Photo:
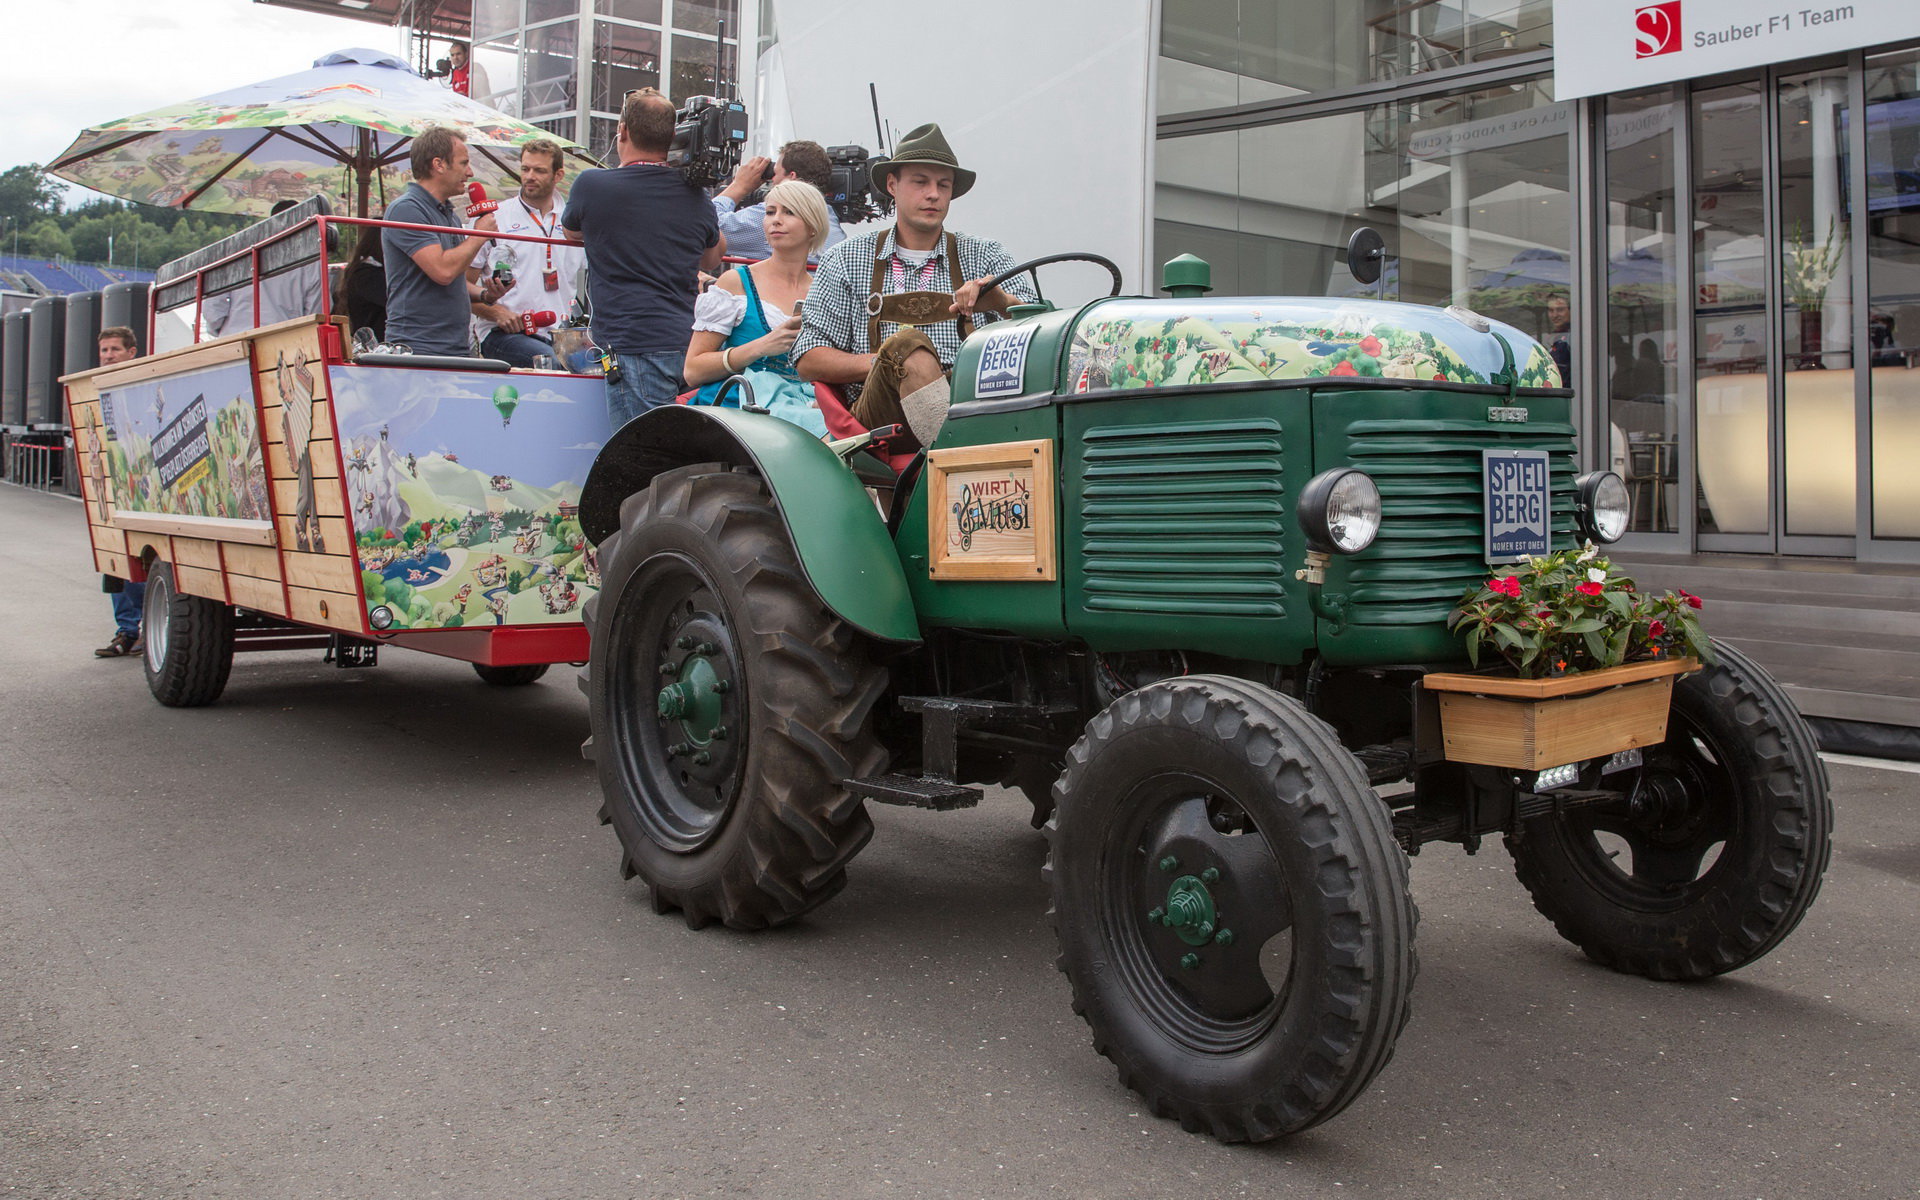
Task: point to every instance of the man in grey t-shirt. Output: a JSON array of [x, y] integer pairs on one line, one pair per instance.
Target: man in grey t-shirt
[[429, 300]]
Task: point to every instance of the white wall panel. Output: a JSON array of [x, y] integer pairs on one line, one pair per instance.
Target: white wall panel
[[1051, 102]]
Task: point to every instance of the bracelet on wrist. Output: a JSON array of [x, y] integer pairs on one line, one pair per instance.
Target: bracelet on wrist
[[726, 358]]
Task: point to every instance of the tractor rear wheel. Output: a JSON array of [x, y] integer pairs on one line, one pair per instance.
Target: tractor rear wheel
[[1232, 909], [189, 643], [727, 704]]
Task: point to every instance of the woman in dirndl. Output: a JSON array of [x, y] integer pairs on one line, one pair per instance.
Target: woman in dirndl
[[746, 323]]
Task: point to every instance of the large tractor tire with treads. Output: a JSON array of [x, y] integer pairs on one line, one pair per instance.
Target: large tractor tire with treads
[[728, 705], [1232, 909], [1719, 850]]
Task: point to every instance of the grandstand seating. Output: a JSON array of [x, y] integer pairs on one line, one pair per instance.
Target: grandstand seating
[[44, 277]]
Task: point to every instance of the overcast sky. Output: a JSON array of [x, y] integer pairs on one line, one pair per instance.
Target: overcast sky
[[80, 62]]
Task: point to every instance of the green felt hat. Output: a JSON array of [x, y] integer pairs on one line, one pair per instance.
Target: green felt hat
[[924, 146]]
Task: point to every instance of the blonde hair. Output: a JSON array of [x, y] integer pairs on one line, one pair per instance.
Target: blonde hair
[[804, 201]]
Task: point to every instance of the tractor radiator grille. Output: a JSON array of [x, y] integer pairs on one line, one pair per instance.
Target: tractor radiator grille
[[1184, 519], [1431, 548]]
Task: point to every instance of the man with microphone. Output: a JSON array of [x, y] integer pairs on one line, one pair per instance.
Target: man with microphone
[[429, 298], [516, 327]]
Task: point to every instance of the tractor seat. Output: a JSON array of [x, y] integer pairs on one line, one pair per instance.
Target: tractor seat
[[841, 424]]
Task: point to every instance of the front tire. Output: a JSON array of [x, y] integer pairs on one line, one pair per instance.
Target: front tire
[[1721, 851], [1232, 909], [189, 643], [727, 705]]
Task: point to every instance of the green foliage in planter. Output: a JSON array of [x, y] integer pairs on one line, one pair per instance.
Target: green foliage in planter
[[1571, 612]]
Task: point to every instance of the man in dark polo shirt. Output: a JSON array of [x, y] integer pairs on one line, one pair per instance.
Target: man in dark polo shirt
[[648, 233], [429, 301]]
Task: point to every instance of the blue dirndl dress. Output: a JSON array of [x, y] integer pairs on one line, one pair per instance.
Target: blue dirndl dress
[[777, 386]]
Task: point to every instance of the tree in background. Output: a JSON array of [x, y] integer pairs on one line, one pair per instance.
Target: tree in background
[[45, 239], [26, 195], [140, 235]]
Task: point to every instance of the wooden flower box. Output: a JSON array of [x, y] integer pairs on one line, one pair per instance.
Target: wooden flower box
[[1531, 724]]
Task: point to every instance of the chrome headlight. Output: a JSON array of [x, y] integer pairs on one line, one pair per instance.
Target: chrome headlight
[[1339, 511], [1602, 506]]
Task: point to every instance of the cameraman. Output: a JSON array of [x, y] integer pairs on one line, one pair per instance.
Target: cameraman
[[648, 233], [745, 227]]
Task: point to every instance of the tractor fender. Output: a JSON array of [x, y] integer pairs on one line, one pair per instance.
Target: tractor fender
[[839, 535]]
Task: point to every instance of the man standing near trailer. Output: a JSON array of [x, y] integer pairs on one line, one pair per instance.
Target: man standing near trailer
[[117, 345], [649, 233], [429, 298]]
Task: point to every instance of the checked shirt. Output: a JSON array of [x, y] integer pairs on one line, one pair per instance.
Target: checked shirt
[[836, 310]]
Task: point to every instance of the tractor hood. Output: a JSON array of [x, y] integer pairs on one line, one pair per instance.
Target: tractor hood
[[1188, 342]]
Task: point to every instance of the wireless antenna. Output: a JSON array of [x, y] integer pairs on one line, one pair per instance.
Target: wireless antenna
[[880, 133]]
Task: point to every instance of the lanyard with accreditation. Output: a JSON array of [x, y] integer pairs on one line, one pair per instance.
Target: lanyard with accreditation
[[550, 278]]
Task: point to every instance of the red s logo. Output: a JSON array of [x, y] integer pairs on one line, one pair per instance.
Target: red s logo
[[1656, 29]]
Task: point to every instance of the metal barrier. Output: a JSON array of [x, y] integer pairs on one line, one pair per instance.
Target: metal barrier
[[38, 466]]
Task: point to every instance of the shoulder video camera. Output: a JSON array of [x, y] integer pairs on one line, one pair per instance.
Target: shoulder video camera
[[851, 193], [708, 134]]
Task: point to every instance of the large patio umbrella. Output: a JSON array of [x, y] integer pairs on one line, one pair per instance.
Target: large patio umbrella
[[345, 128]]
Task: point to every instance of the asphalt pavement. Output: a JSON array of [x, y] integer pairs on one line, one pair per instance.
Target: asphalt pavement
[[359, 934]]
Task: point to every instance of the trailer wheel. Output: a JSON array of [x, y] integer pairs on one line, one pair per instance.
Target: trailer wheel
[[1233, 912], [517, 676], [189, 643], [1715, 858], [727, 705]]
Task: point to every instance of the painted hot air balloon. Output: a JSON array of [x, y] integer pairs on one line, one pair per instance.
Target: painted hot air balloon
[[506, 398]]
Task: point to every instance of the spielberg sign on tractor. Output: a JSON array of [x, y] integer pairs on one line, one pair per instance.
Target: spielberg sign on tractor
[[1519, 509]]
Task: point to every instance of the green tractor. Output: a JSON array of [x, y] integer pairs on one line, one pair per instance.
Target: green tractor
[[1175, 568]]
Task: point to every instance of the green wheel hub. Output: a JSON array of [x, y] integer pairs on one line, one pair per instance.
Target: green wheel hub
[[693, 699], [1190, 910]]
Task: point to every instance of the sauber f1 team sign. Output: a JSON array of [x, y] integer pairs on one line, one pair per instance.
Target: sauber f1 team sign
[[1619, 45]]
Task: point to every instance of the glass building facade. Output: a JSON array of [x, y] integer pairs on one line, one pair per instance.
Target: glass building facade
[[566, 65], [1754, 376]]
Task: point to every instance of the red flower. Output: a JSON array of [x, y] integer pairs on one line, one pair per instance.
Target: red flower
[[1440, 377], [1506, 585], [1588, 589], [1656, 629], [1371, 345], [1692, 600], [1545, 612], [1343, 368]]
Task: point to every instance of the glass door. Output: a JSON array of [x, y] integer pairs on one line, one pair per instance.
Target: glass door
[[1733, 413], [1773, 314], [1641, 335], [1816, 319], [1892, 262]]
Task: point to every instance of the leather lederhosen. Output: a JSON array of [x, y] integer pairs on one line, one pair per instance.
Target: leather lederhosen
[[914, 308]]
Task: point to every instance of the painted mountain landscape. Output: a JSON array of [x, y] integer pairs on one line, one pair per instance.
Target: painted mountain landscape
[[465, 493]]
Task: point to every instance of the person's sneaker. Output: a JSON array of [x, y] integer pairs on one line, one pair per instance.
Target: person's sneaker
[[139, 645], [122, 645]]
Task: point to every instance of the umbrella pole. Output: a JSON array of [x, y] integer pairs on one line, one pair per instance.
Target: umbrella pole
[[363, 169]]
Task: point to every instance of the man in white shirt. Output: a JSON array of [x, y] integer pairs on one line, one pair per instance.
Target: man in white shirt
[[543, 275]]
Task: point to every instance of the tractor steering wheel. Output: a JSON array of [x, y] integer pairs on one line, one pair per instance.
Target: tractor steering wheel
[[1072, 256]]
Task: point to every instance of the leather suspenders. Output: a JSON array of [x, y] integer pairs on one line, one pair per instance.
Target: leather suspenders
[[914, 308]]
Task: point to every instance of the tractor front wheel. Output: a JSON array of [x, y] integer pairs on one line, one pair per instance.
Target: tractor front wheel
[[1716, 853], [1232, 909]]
